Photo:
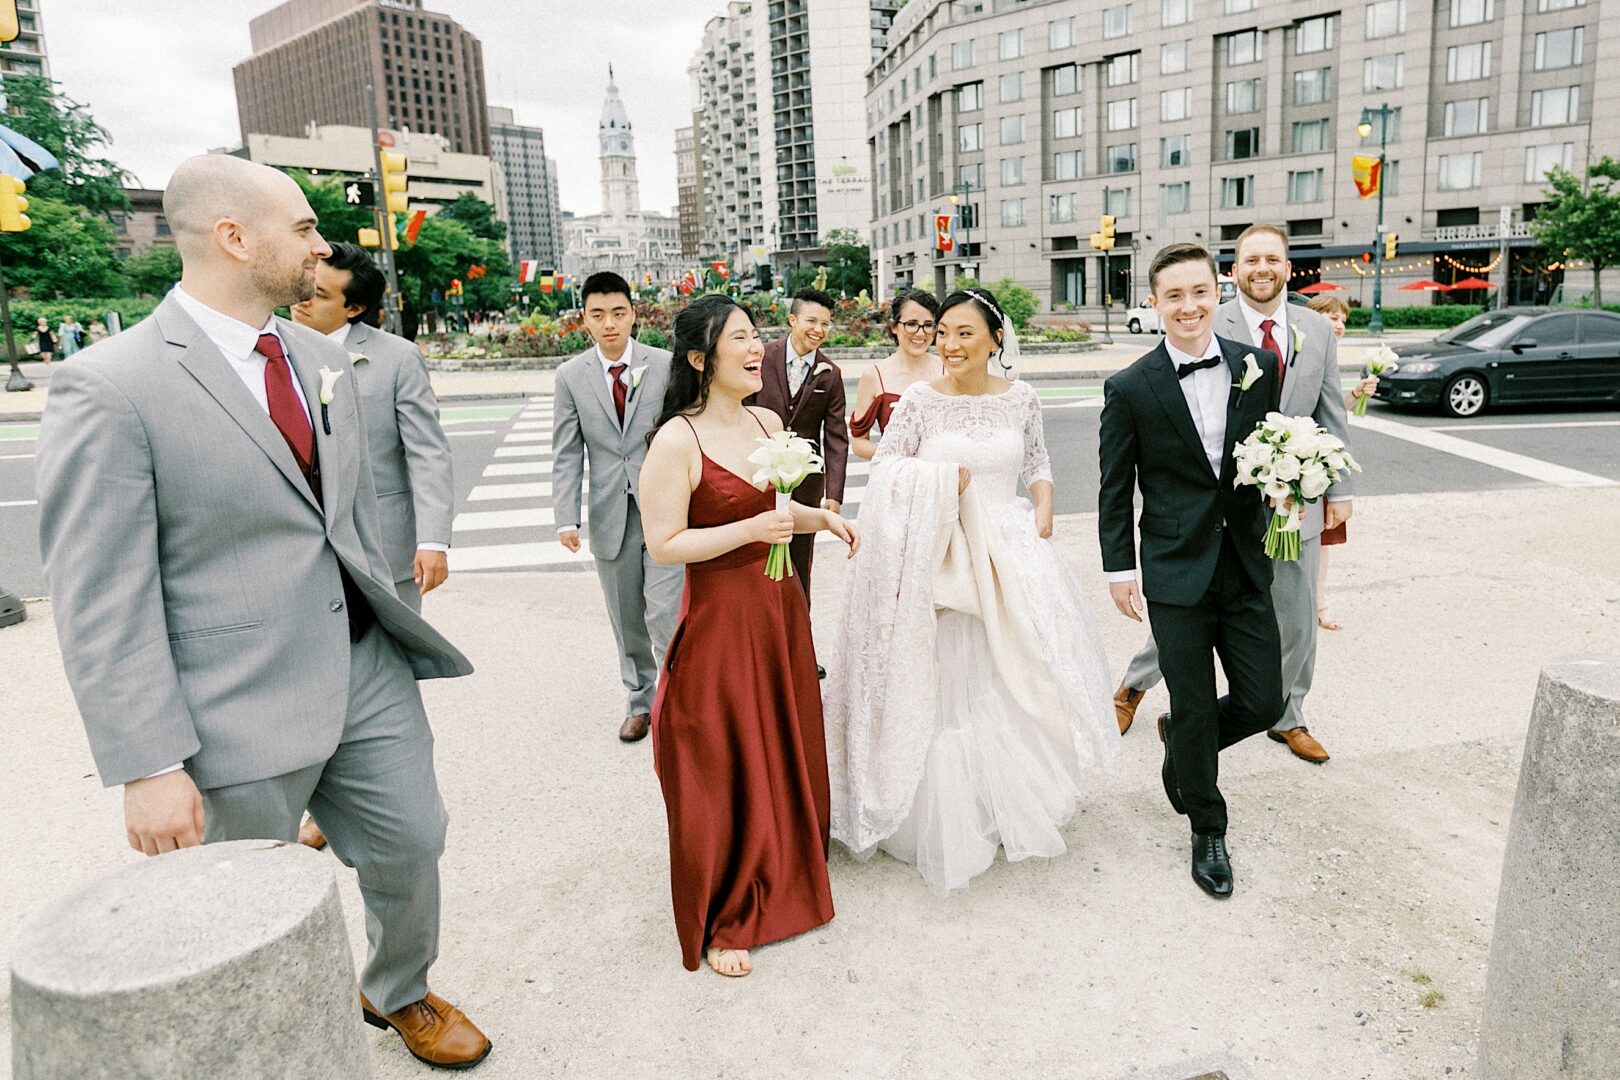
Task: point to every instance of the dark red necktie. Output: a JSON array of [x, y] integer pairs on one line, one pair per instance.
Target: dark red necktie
[[286, 412], [1269, 341], [620, 391]]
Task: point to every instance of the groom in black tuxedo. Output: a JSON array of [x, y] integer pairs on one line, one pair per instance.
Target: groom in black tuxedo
[[1169, 424]]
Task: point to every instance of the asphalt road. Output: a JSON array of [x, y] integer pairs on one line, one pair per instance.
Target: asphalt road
[[502, 449]]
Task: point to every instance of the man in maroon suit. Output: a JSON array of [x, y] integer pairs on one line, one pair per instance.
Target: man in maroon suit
[[806, 390]]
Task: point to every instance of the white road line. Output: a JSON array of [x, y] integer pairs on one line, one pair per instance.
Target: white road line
[[15, 457], [491, 492], [522, 451], [1506, 460], [518, 468], [534, 556], [480, 520], [1525, 426], [530, 425], [1073, 403], [21, 502], [530, 436], [538, 397], [468, 420], [486, 431]]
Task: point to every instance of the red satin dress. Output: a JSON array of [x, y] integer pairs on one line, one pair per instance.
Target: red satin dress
[[877, 413], [739, 747]]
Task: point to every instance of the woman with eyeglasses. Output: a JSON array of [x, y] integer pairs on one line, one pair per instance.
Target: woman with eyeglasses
[[912, 319]]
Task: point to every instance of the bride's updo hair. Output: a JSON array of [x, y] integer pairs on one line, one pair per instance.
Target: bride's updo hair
[[697, 330], [985, 301], [910, 296]]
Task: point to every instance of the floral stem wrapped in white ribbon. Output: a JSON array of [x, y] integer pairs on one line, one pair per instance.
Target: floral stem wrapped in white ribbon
[[1290, 458], [1380, 362], [784, 461]]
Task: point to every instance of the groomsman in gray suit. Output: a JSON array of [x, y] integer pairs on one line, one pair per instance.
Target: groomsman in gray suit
[[410, 456], [1303, 347], [227, 615], [607, 401]]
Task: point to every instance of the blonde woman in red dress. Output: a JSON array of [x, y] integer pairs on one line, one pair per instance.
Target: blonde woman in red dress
[[913, 317], [737, 732]]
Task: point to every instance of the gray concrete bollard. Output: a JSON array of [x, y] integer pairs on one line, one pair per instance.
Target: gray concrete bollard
[[220, 962], [1552, 992]]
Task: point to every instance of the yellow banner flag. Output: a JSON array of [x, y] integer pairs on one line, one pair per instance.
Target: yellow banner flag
[[1367, 173]]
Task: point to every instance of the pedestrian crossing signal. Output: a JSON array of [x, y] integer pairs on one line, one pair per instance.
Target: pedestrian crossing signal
[[370, 238], [12, 205]]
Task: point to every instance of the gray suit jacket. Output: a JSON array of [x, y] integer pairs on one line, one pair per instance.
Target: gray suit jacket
[[410, 456], [586, 428], [193, 575], [1311, 389]]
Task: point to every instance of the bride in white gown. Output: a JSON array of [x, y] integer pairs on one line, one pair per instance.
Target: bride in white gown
[[968, 693]]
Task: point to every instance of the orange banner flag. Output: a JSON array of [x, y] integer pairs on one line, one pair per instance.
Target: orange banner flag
[[1367, 173]]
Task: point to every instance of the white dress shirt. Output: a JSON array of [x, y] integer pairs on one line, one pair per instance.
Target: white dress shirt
[[1285, 341], [796, 364], [607, 376]]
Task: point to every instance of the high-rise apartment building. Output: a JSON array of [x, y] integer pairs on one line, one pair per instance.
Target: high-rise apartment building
[[1188, 120], [723, 73], [312, 60], [689, 189], [533, 229], [26, 55]]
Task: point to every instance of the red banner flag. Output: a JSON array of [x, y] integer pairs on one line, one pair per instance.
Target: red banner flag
[[415, 226], [1367, 172], [944, 234]]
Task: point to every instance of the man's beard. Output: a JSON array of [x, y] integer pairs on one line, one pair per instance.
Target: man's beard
[[1251, 291], [280, 290]]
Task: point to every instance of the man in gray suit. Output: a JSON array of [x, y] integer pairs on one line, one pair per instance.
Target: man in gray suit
[[410, 456], [607, 401], [1303, 345], [227, 615]]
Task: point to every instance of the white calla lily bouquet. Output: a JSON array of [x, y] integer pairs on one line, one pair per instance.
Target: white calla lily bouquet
[[1380, 362], [1290, 457], [784, 461]]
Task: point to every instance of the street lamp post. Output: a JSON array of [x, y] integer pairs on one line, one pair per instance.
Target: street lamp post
[[959, 197], [1375, 324]]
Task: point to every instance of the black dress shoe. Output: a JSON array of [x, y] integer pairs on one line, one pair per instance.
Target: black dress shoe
[[1212, 866], [821, 672], [1168, 774]]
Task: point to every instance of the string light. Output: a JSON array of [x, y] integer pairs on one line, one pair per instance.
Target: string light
[[1457, 264]]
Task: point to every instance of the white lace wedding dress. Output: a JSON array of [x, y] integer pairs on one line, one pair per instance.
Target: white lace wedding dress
[[968, 692]]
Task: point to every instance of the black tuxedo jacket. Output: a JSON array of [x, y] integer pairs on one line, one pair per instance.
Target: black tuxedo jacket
[[1149, 441], [815, 413]]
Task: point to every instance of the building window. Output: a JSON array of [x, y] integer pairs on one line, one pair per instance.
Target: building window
[[1060, 34], [933, 66], [1470, 12], [1242, 143], [970, 97], [1383, 72], [1173, 58], [1065, 80], [1458, 172], [1122, 69], [1243, 96], [1310, 136], [1175, 104], [1392, 179], [1012, 130], [1175, 151], [1464, 63], [970, 176], [1237, 191], [1549, 107], [1062, 208], [1386, 18], [1313, 35], [1121, 158], [1238, 7], [1558, 5], [1065, 123], [1558, 49], [1066, 165], [1010, 44], [1176, 198], [1305, 185], [1122, 115], [1117, 202], [970, 137], [1469, 117], [1539, 160], [1116, 21], [962, 55], [1244, 47], [1012, 211], [1313, 87], [1012, 171], [1175, 12], [1012, 87]]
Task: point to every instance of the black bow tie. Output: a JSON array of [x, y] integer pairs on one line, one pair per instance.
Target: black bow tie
[[1184, 370]]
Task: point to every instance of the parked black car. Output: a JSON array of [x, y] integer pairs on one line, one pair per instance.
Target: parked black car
[[1513, 356]]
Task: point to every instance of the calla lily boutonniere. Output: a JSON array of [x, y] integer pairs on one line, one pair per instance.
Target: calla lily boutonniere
[[1251, 373], [329, 381], [1299, 340], [823, 366], [636, 376], [359, 358]]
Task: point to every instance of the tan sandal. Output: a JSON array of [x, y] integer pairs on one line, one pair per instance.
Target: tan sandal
[[1325, 622], [715, 956]]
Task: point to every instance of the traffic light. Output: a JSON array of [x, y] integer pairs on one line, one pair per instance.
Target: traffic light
[[1390, 240], [394, 182], [369, 238], [9, 26], [12, 204], [1103, 238]]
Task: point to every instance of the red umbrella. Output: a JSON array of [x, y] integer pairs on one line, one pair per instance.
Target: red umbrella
[[1472, 283], [1424, 285], [1322, 287]]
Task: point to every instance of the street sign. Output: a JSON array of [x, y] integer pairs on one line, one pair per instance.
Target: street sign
[[359, 193]]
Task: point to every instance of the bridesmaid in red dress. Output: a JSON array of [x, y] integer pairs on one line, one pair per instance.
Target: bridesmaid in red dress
[[738, 743], [912, 318]]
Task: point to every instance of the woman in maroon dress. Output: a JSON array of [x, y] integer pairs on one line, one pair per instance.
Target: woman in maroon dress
[[912, 317], [737, 733]]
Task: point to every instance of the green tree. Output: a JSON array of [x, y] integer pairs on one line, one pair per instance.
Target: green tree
[[66, 129], [338, 220], [1582, 221], [67, 252], [1016, 302], [153, 271], [848, 262], [444, 250], [477, 215]]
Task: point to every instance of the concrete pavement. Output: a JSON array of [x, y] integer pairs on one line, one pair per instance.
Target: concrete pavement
[[1363, 885]]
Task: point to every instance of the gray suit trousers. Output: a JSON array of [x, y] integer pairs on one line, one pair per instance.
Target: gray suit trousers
[[644, 603], [1293, 594], [377, 800]]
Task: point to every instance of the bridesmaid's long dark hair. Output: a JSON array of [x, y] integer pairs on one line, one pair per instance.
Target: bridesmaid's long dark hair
[[697, 330]]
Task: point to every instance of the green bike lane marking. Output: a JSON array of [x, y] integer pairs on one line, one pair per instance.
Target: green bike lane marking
[[19, 431]]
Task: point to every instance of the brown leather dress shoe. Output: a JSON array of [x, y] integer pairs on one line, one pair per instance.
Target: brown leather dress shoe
[[1301, 742], [435, 1032], [635, 727], [1125, 702], [310, 835]]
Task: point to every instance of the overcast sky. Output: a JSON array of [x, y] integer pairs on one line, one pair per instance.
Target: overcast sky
[[157, 75]]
